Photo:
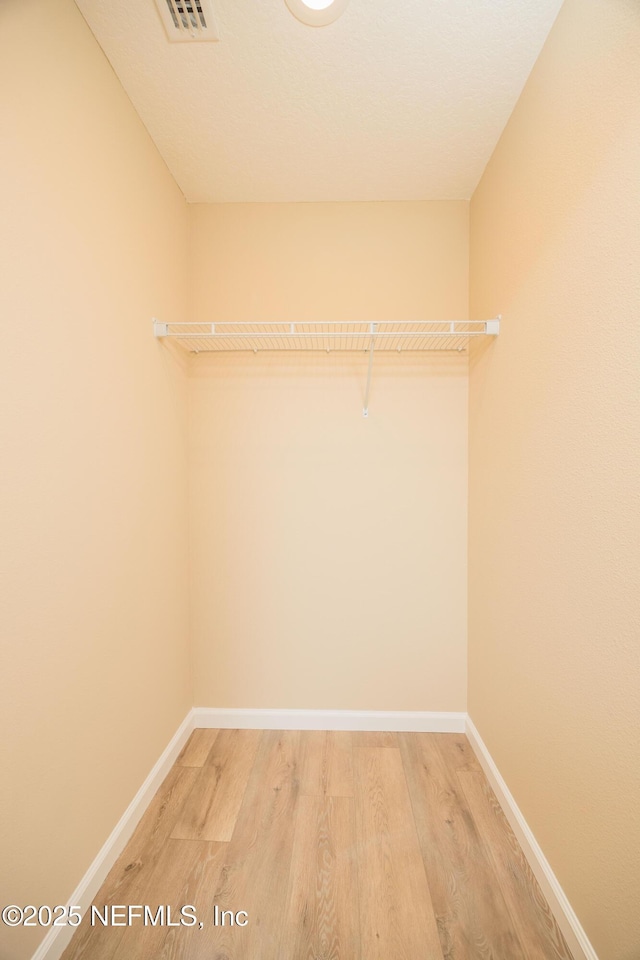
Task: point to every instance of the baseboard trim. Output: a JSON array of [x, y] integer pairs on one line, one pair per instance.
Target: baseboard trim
[[392, 720], [572, 929], [57, 939]]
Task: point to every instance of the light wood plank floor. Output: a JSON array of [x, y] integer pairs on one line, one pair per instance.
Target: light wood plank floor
[[339, 846]]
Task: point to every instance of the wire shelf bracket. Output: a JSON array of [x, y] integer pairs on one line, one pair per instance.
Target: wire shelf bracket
[[365, 410], [387, 335]]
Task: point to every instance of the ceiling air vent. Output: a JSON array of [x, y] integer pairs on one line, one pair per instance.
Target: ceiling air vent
[[188, 20]]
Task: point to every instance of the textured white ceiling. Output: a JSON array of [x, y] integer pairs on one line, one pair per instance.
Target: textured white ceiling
[[396, 100]]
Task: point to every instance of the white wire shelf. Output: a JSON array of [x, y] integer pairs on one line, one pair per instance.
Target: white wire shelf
[[388, 335]]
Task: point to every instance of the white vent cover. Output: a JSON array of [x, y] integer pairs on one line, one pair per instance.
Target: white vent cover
[[188, 20]]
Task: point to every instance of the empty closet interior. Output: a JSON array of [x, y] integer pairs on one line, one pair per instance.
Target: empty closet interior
[[333, 432]]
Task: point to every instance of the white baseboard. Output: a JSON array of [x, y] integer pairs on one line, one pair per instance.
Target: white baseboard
[[58, 938], [392, 720], [572, 929]]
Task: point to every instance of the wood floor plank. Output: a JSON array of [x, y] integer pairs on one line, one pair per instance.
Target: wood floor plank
[[255, 876], [396, 915], [472, 917], [186, 873], [375, 738], [456, 750], [322, 919], [197, 748], [212, 809], [530, 914], [327, 766], [313, 764], [340, 764], [127, 879]]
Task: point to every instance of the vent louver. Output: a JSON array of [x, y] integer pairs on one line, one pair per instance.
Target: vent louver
[[188, 21]]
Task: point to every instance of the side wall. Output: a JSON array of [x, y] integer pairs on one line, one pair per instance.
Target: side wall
[[329, 551], [93, 566], [554, 668]]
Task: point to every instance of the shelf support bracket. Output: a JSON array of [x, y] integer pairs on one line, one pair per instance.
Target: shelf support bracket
[[365, 412]]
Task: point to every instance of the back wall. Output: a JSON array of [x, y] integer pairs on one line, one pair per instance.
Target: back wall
[[328, 552]]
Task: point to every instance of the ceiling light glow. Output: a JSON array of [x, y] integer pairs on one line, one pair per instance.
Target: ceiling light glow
[[317, 13], [317, 4]]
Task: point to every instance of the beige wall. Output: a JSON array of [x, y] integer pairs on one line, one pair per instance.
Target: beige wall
[[329, 551], [554, 684], [94, 675]]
